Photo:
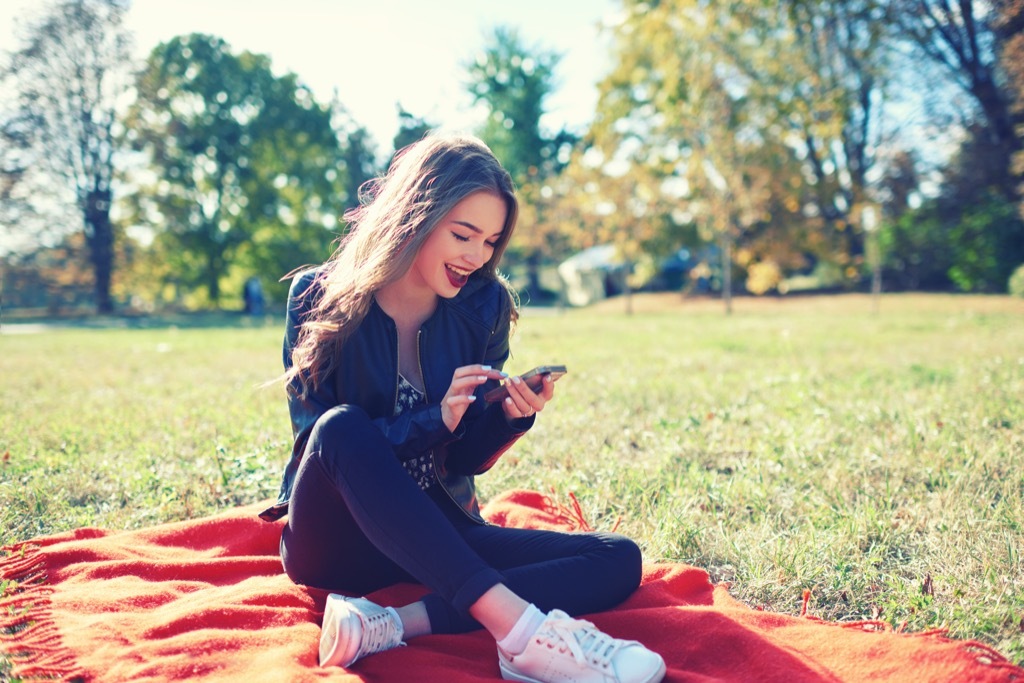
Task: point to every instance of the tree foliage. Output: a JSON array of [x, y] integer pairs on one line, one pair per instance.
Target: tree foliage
[[358, 152], [17, 210], [967, 40], [512, 81], [751, 131], [767, 113], [969, 237], [241, 166], [1008, 25], [67, 76], [411, 129]]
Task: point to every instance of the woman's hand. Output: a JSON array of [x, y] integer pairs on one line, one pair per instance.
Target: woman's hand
[[523, 401], [460, 395]]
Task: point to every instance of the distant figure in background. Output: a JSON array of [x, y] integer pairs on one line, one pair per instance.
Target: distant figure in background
[[252, 293]]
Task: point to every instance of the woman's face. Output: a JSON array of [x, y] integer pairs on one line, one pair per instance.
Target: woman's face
[[462, 242]]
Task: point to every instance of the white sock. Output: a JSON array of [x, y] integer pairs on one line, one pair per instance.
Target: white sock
[[517, 639]]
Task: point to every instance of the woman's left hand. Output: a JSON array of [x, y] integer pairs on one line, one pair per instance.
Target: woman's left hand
[[523, 401]]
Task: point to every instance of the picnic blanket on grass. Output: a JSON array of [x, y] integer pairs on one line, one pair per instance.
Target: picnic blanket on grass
[[207, 599]]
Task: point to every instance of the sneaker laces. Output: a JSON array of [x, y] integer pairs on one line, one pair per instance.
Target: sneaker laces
[[588, 644], [379, 633]]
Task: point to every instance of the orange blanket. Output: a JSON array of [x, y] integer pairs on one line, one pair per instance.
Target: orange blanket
[[207, 599]]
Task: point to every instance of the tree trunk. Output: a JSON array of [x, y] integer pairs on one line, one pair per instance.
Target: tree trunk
[[216, 263], [100, 239], [213, 280], [727, 270], [997, 110], [533, 274]]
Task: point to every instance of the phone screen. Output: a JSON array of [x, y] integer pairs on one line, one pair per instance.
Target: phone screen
[[534, 379]]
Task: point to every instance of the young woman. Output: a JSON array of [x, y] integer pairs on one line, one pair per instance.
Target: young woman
[[389, 348]]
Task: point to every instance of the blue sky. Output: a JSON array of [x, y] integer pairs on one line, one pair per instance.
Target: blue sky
[[381, 52]]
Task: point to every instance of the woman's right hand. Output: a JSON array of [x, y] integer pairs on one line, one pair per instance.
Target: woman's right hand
[[460, 394]]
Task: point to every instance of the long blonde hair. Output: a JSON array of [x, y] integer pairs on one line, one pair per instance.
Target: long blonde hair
[[396, 215]]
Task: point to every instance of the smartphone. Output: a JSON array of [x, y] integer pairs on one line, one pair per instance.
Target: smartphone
[[534, 378]]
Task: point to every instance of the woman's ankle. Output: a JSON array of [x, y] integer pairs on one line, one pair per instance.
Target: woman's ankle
[[498, 610], [415, 620]]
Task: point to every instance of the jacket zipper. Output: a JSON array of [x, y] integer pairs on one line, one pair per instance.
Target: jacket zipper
[[398, 371], [419, 364], [433, 451]]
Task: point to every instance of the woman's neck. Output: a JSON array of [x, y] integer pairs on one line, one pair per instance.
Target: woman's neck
[[407, 306]]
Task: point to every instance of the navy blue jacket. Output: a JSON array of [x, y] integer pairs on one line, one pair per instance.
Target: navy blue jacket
[[473, 327]]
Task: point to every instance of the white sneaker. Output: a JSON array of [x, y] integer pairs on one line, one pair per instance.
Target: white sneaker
[[566, 649], [354, 628]]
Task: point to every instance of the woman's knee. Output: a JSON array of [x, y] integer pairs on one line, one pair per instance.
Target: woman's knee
[[625, 561], [341, 432], [339, 422]]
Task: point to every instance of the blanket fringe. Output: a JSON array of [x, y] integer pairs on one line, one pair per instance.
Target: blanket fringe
[[17, 572], [572, 516], [584, 524], [983, 654], [989, 656], [25, 599], [806, 601], [29, 637]]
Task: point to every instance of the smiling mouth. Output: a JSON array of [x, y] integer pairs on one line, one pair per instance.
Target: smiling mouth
[[457, 276]]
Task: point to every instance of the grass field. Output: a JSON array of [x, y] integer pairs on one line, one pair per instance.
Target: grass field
[[803, 443]]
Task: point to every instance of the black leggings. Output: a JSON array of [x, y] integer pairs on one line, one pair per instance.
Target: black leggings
[[357, 522]]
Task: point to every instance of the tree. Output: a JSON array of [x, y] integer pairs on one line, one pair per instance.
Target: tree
[[597, 202], [410, 129], [966, 39], [244, 164], [768, 113], [1009, 27], [358, 156], [842, 53], [970, 236], [67, 76], [967, 237], [18, 212], [513, 81]]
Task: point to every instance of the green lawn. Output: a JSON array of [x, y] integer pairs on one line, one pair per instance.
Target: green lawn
[[804, 443]]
